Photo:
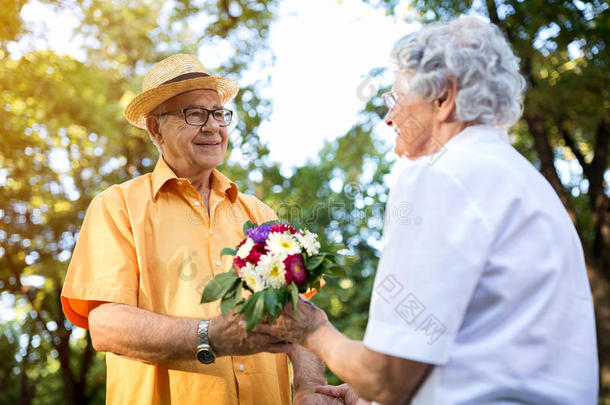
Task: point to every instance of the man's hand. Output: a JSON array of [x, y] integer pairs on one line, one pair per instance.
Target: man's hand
[[295, 328], [228, 336], [312, 398], [344, 393]]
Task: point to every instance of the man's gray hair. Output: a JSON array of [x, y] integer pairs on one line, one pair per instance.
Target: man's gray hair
[[160, 109], [479, 58]]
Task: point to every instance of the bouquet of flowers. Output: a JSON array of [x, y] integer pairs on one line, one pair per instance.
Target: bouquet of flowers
[[275, 262]]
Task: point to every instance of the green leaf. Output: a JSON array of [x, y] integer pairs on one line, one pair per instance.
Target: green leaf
[[271, 302], [255, 311], [219, 286], [333, 248], [335, 271], [238, 292], [294, 296], [228, 302], [244, 306], [248, 225], [274, 222], [314, 262], [232, 298], [228, 251]]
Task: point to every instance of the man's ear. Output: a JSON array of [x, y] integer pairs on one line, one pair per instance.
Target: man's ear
[[154, 129], [446, 104]]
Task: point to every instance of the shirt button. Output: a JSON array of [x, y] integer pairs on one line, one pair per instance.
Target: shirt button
[[217, 262], [211, 231], [196, 203], [241, 367]]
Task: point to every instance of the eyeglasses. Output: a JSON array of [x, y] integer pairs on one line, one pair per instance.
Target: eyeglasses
[[390, 98], [198, 116]]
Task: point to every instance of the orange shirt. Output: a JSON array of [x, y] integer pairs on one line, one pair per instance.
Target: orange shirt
[[150, 243]]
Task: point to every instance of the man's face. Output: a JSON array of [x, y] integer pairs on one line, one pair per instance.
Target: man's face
[[412, 118], [190, 149]]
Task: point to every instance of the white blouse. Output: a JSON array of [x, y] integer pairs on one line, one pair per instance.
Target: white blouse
[[482, 274]]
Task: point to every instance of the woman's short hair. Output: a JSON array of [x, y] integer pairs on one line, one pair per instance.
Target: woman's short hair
[[477, 56]]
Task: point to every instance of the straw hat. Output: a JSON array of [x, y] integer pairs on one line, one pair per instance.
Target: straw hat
[[170, 77]]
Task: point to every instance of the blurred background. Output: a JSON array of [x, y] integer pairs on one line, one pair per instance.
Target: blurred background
[[309, 139]]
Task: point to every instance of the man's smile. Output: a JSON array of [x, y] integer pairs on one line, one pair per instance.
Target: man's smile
[[208, 143]]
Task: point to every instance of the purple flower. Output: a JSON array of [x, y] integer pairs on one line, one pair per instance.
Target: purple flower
[[260, 233]]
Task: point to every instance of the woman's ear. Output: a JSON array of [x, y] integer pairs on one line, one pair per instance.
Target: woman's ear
[[446, 104], [154, 129]]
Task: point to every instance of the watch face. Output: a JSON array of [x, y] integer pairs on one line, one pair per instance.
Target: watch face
[[205, 356]]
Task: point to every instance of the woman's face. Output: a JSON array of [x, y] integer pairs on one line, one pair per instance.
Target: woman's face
[[413, 119]]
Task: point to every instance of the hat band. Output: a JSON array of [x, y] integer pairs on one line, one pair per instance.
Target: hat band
[[186, 76]]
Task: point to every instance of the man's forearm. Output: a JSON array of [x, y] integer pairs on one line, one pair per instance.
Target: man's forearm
[[142, 335], [308, 370]]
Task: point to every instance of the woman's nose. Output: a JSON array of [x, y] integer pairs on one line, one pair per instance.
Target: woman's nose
[[388, 119]]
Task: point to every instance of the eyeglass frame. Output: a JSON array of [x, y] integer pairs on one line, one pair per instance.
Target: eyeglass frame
[[391, 95], [209, 112]]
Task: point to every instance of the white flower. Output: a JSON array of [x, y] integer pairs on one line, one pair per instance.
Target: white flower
[[252, 278], [309, 242], [282, 244], [272, 270], [244, 250]]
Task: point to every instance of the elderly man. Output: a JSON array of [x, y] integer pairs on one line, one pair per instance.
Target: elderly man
[[148, 247], [486, 300]]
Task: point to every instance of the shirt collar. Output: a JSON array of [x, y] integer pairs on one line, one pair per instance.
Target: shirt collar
[[163, 174], [479, 133]]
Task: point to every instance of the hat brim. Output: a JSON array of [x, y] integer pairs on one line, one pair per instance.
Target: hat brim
[[141, 106]]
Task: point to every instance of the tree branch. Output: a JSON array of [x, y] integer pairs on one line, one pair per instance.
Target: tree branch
[[492, 11], [547, 161], [571, 143]]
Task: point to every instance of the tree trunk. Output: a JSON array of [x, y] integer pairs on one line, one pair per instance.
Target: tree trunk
[[25, 394], [547, 161], [600, 203], [73, 388]]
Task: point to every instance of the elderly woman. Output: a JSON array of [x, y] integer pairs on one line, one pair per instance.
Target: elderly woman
[[486, 300]]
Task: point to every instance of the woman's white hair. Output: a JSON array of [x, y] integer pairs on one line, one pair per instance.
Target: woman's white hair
[[479, 58]]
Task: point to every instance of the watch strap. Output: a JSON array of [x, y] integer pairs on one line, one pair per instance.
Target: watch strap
[[202, 333]]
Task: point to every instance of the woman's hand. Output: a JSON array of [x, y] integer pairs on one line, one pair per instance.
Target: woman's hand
[[293, 327]]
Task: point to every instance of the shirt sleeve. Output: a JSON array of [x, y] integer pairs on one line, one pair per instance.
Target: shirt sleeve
[[104, 265], [436, 242]]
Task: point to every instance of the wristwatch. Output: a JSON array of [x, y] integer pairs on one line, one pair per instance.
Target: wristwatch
[[205, 354]]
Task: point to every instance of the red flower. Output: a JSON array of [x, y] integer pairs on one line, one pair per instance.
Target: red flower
[[295, 269], [238, 263], [281, 228], [256, 252]]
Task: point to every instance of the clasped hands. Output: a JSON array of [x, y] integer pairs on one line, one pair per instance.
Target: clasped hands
[[228, 336]]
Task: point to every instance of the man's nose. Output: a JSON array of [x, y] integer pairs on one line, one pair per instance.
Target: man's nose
[[211, 124]]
